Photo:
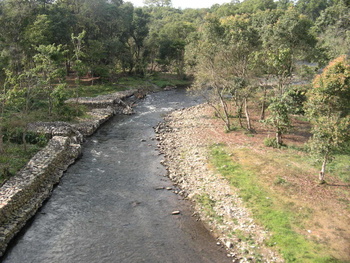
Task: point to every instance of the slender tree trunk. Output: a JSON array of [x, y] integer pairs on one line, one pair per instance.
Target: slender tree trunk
[[226, 114], [279, 137], [263, 105], [322, 174], [50, 102], [239, 114], [249, 125], [2, 150], [24, 134]]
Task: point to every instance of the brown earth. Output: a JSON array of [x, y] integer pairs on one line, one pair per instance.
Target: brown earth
[[185, 139]]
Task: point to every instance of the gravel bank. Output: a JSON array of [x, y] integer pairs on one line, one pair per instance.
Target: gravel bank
[[184, 139]]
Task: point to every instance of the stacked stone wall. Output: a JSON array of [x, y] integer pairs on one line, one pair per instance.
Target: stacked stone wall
[[22, 195]]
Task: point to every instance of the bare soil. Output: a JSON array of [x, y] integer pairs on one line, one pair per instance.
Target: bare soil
[[185, 139]]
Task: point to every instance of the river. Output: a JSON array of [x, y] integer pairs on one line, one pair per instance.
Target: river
[[108, 206]]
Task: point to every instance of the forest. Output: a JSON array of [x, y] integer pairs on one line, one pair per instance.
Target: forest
[[262, 50], [280, 65]]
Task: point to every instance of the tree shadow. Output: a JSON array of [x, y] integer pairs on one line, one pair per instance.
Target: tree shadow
[[342, 185]]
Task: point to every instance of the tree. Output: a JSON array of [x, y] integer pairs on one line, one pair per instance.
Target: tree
[[253, 6], [173, 40], [286, 38], [138, 33], [333, 29], [49, 71], [279, 117], [21, 97], [159, 3], [312, 8], [329, 111], [78, 64], [241, 41], [222, 65]]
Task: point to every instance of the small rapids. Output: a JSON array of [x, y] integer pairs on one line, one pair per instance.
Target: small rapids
[[107, 207]]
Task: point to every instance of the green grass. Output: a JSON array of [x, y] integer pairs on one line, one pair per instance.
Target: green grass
[[15, 158], [207, 205], [279, 218], [340, 167], [95, 90], [125, 83]]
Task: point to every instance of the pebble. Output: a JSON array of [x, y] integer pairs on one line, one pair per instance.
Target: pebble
[[175, 212], [229, 244], [186, 164]]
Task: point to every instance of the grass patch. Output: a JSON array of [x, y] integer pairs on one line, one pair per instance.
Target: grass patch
[[95, 90], [125, 83], [279, 218], [340, 167], [207, 205], [15, 158]]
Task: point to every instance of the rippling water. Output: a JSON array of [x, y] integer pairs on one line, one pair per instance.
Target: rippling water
[[107, 208]]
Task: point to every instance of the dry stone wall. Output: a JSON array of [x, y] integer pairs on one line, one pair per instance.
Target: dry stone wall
[[22, 195]]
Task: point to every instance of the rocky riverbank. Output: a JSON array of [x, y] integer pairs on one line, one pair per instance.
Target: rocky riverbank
[[22, 195], [184, 139]]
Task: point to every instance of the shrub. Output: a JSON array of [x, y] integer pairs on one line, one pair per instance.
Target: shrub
[[271, 142]]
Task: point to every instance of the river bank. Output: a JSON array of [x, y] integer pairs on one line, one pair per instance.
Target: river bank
[[23, 194], [305, 221], [185, 139], [114, 204]]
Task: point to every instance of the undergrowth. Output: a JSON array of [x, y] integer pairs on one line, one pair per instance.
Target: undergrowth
[[15, 158], [269, 212], [207, 205]]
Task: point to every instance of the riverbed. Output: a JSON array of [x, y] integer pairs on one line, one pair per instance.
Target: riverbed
[[116, 204]]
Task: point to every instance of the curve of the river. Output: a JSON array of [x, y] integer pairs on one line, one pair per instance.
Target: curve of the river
[[106, 207]]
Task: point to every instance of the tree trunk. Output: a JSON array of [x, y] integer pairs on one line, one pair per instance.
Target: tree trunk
[[263, 106], [224, 106], [322, 174], [279, 138], [24, 139], [1, 144], [239, 114], [249, 125]]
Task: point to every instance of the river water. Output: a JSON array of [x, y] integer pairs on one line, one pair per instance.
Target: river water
[[107, 207]]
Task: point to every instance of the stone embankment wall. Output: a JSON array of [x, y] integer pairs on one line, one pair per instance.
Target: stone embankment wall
[[22, 195]]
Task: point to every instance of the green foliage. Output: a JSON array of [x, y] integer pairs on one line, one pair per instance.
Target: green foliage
[[333, 28], [159, 3], [15, 158], [208, 205], [271, 142], [279, 116], [14, 135], [328, 110], [327, 105], [253, 6], [340, 167], [312, 8]]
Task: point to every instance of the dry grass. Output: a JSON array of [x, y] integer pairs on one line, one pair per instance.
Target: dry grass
[[322, 211]]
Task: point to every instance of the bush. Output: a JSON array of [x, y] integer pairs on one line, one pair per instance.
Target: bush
[[271, 142], [15, 136]]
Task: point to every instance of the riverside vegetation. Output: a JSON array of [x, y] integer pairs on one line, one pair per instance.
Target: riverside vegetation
[[258, 200], [276, 72]]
